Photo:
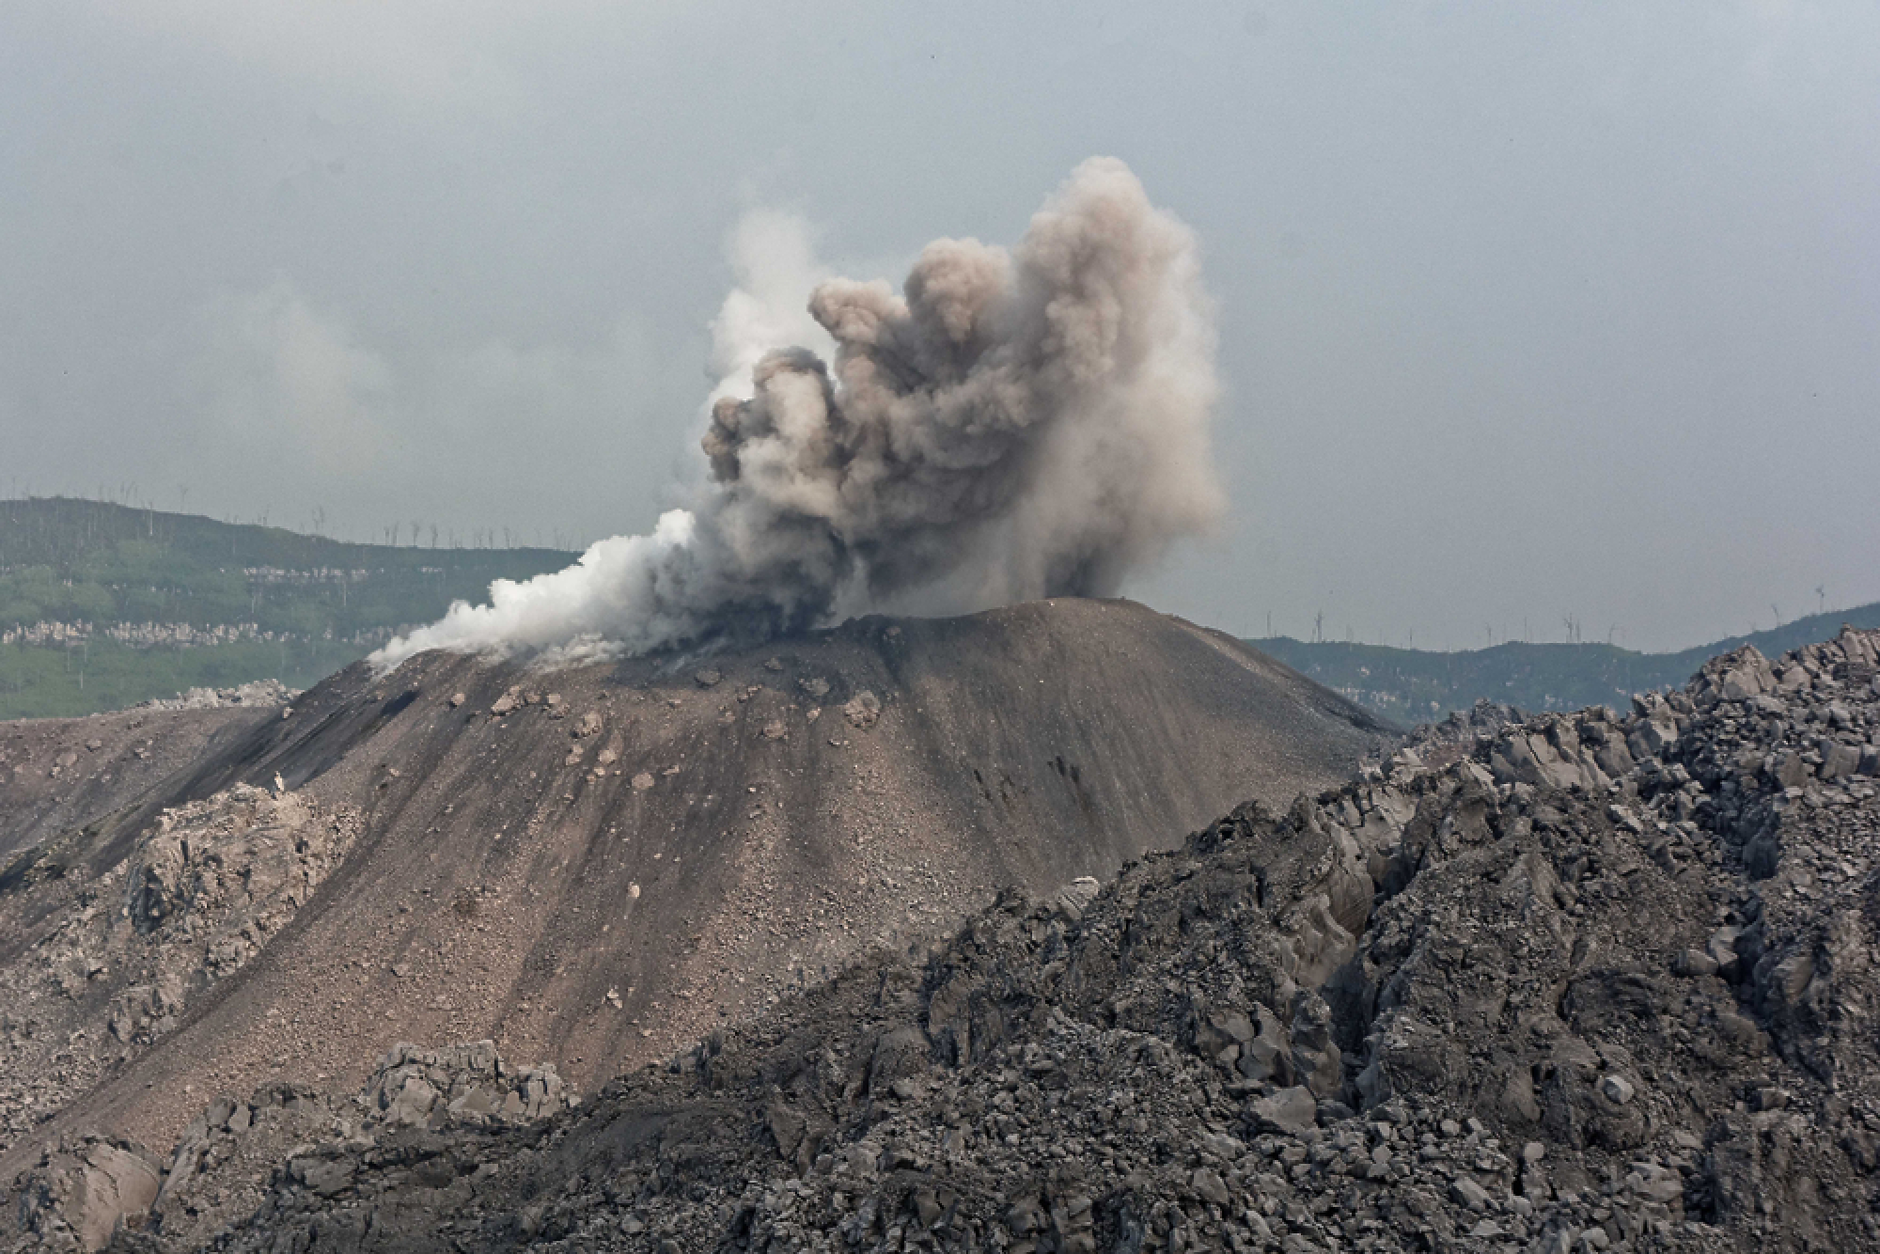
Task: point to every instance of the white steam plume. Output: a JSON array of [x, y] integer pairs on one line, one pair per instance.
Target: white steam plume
[[1013, 425], [776, 267]]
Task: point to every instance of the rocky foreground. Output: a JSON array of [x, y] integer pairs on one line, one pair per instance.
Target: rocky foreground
[[1594, 983]]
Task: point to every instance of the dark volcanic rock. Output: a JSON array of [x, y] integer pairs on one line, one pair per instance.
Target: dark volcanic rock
[[1600, 984]]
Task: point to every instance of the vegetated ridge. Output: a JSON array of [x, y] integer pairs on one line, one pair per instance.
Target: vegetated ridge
[[1596, 983], [591, 867], [103, 606], [1412, 686]]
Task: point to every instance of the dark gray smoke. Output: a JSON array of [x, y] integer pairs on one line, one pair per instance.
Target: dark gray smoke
[[1011, 426]]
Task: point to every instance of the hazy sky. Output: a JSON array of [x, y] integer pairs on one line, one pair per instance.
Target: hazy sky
[[1525, 311]]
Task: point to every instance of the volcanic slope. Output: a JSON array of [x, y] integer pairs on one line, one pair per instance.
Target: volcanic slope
[[1598, 983], [592, 866], [57, 773]]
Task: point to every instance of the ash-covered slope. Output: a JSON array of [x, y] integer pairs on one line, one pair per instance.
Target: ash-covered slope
[[1597, 984], [59, 773], [592, 867]]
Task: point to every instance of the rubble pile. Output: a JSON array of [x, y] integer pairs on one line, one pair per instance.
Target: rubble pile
[[79, 1194], [260, 692], [108, 965], [422, 1088], [1602, 982], [1438, 744]]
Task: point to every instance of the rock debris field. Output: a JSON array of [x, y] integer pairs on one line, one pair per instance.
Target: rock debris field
[[1573, 983], [588, 868]]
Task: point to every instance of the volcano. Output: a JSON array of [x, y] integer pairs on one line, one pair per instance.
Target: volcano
[[594, 866]]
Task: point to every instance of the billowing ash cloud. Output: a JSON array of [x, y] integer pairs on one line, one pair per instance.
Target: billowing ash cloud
[[1012, 425]]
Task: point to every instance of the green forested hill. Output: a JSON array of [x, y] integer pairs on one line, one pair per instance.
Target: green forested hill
[[102, 605], [1412, 686]]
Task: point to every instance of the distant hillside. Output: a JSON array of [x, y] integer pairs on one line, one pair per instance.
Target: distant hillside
[[103, 605], [1414, 686]]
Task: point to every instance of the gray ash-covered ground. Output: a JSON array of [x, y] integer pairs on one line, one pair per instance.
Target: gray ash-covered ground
[[1599, 984], [60, 773]]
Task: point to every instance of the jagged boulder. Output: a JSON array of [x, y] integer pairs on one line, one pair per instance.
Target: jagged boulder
[[462, 1083], [78, 1195]]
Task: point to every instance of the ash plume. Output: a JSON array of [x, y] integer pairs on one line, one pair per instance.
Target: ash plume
[[1012, 425]]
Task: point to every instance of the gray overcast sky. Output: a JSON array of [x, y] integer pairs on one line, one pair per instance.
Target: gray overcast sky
[[1525, 310]]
